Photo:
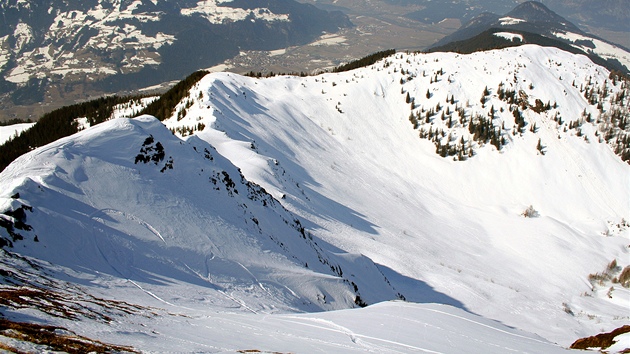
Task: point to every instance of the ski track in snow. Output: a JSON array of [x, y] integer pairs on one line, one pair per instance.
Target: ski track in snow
[[153, 295], [222, 291], [241, 303], [254, 278], [132, 218], [483, 325], [356, 338]]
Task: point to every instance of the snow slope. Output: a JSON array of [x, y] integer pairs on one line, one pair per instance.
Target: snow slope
[[347, 205], [597, 46], [350, 162], [130, 249], [187, 216], [391, 327], [154, 326], [10, 131]]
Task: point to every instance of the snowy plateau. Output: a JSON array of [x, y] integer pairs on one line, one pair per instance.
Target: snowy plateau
[[266, 213]]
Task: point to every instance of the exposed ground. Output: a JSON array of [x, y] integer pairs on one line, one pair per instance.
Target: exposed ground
[[371, 34]]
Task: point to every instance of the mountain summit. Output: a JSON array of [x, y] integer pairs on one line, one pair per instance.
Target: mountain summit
[[530, 16], [537, 14]]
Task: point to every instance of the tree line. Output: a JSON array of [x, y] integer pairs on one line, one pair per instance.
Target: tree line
[[366, 61], [163, 107], [58, 124], [62, 122]]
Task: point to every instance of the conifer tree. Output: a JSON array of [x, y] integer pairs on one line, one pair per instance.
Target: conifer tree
[[539, 147]]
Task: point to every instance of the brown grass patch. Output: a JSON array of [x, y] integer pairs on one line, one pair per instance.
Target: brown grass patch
[[49, 336], [10, 349], [45, 301], [624, 277], [70, 306]]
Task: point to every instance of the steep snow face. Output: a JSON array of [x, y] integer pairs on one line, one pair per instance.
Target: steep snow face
[[128, 201], [342, 153]]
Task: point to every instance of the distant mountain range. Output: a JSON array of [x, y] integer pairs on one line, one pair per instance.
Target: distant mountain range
[[59, 47], [611, 14], [534, 23]]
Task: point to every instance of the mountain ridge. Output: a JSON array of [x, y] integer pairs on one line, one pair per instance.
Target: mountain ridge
[[533, 11], [516, 233], [155, 152], [535, 19], [338, 116]]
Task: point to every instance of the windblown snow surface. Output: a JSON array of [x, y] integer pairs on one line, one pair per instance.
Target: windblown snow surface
[[299, 199]]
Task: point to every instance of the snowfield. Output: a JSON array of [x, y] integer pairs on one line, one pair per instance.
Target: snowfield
[[282, 205], [391, 327], [11, 131], [509, 36], [599, 47]]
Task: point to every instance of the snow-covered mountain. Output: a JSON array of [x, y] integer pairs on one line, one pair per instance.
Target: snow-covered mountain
[[532, 17], [287, 195], [612, 15], [118, 228], [111, 45]]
